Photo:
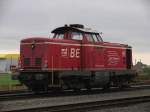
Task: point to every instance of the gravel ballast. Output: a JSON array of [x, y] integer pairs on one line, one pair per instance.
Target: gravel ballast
[[56, 101], [144, 107]]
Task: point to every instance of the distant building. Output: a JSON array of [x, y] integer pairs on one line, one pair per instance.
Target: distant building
[[140, 66], [8, 61]]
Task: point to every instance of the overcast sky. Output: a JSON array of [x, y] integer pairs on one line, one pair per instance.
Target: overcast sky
[[121, 21]]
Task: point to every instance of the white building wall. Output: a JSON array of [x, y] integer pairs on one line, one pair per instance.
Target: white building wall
[[6, 63], [3, 64]]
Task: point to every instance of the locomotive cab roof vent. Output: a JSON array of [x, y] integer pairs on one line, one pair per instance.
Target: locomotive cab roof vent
[[77, 25]]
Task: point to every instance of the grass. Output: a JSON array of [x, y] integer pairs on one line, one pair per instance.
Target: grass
[[5, 80], [143, 79], [7, 84]]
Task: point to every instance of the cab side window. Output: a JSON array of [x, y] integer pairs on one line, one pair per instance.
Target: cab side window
[[76, 36], [95, 38], [99, 38], [89, 37]]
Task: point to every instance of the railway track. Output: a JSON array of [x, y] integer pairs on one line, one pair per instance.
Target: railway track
[[19, 95], [13, 91], [86, 106]]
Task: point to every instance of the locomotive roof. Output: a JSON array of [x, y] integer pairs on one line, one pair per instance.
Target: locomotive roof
[[70, 28]]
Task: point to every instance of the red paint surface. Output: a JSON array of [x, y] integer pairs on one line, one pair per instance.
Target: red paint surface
[[57, 54]]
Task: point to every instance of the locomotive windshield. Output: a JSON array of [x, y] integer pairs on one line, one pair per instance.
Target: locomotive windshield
[[76, 36]]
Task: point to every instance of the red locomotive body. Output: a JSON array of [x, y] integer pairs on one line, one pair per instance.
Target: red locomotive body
[[74, 58]]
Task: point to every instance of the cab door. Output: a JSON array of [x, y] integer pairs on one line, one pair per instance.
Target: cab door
[[98, 52], [92, 52], [87, 51]]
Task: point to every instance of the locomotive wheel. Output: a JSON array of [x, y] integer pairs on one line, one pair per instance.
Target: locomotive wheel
[[63, 85], [39, 87], [76, 89], [123, 83], [79, 86], [106, 87], [40, 90], [88, 87]]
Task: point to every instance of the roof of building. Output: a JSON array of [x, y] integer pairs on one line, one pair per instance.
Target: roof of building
[[9, 56]]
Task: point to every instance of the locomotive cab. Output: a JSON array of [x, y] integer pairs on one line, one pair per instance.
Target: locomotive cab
[[77, 32]]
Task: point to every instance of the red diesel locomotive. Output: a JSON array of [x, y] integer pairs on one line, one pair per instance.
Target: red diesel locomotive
[[74, 58]]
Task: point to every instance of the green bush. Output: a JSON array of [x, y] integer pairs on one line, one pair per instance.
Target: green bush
[[146, 70]]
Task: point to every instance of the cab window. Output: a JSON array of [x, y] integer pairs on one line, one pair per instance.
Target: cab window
[[76, 36], [95, 38], [59, 36], [89, 37], [99, 38]]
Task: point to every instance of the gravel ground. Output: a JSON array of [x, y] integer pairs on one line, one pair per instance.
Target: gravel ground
[[144, 107], [53, 101]]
